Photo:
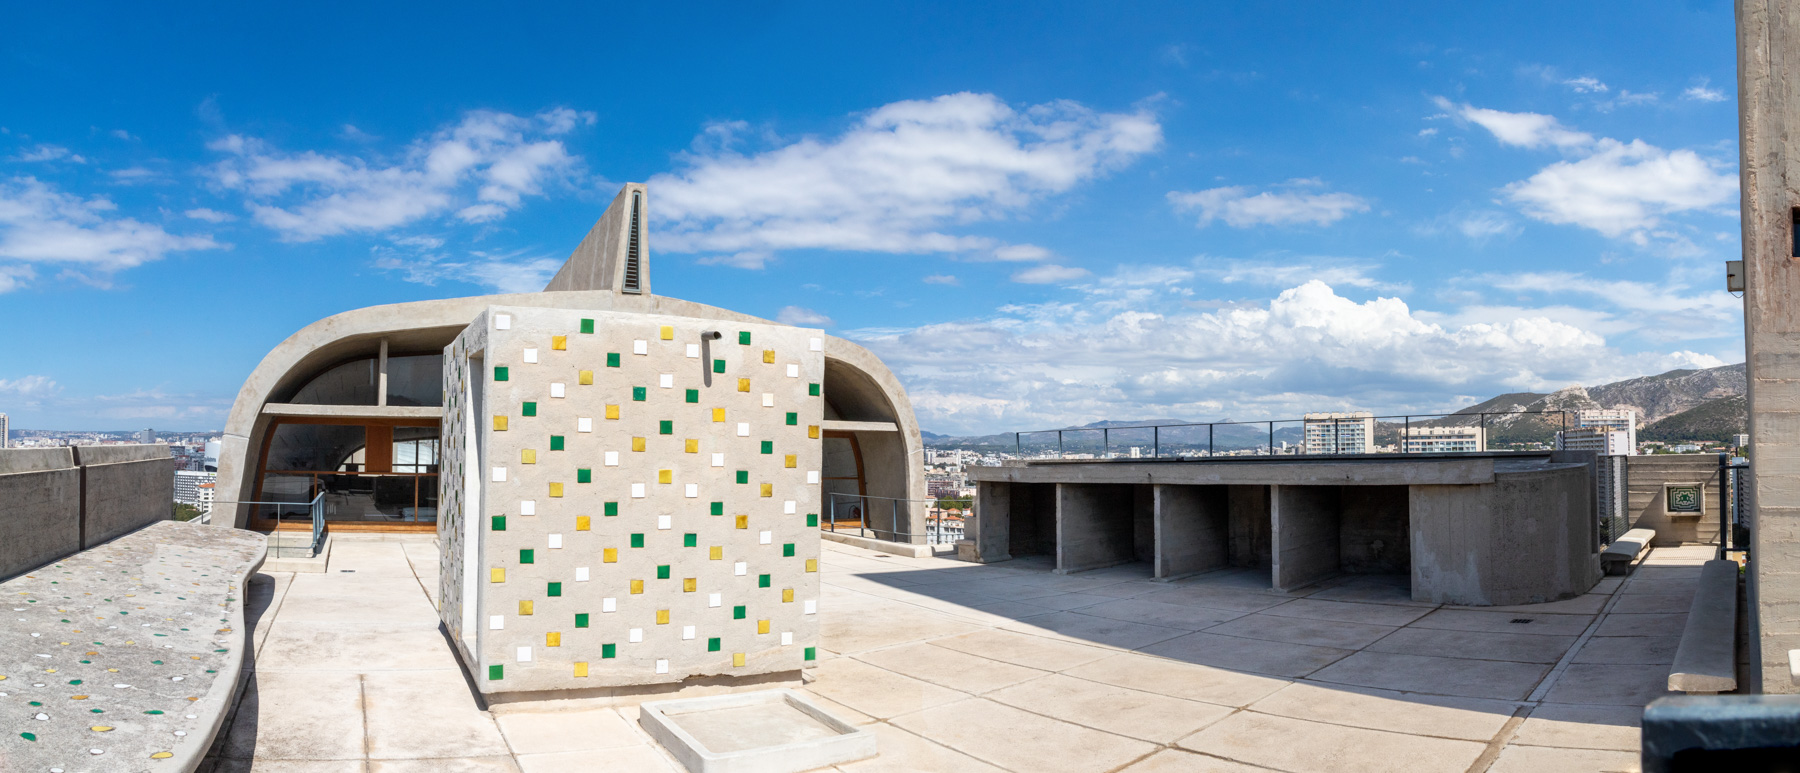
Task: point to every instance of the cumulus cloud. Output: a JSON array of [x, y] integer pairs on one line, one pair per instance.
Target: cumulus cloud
[[1049, 274], [41, 225], [28, 387], [802, 317], [1585, 85], [1291, 205], [1525, 130], [899, 180], [1336, 272], [43, 153], [477, 170], [1704, 93], [1055, 364]]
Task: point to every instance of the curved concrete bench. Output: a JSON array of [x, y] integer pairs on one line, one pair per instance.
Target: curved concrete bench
[[125, 656], [1617, 557], [1706, 660]]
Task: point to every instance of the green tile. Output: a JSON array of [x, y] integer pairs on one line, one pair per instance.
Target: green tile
[[637, 540], [787, 550], [712, 644], [556, 442], [555, 589], [718, 508], [581, 619], [662, 571], [690, 540], [737, 613], [640, 393], [499, 523], [744, 337], [693, 395], [768, 446], [612, 508], [811, 653], [793, 419], [530, 409], [526, 556], [665, 427], [812, 520], [812, 389], [612, 359], [743, 476], [584, 475], [587, 326], [718, 366], [762, 581], [495, 673], [499, 372], [609, 650]]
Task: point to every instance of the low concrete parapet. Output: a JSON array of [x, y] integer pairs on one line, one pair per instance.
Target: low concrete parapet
[[61, 500], [1706, 660], [126, 656]]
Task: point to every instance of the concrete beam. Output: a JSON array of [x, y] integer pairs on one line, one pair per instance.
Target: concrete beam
[[1251, 471], [830, 425], [355, 411], [1192, 530]]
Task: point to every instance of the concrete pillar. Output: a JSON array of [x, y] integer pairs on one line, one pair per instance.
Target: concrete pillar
[[1192, 529], [1094, 526], [1249, 524], [990, 529], [1304, 526], [1769, 115]]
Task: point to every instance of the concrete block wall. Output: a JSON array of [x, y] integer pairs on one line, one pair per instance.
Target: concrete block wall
[[627, 502], [125, 488], [60, 501]]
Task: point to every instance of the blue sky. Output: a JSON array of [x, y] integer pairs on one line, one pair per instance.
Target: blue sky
[[1035, 213]]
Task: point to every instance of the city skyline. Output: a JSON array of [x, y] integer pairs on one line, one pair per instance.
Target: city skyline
[[1175, 211]]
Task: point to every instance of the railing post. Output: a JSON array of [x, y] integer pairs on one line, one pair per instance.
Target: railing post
[[894, 517], [1156, 442], [1059, 445], [1105, 442], [1406, 435], [1018, 445], [1210, 452], [1724, 473], [1272, 438]]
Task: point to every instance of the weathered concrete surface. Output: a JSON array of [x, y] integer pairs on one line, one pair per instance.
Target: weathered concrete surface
[[1192, 530], [129, 653], [17, 460], [1374, 537], [1249, 513], [1439, 469], [61, 500], [870, 543], [1305, 526], [989, 531], [124, 488], [1706, 660], [1646, 477], [1617, 557], [43, 516], [774, 731], [1094, 526], [1524, 539]]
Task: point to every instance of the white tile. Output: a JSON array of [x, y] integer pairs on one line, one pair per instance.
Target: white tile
[[793, 370], [693, 490], [531, 355], [497, 623], [812, 607], [812, 477], [687, 632], [556, 389], [787, 638], [502, 321], [636, 635], [528, 507], [788, 507], [524, 655], [499, 474], [693, 351], [743, 429], [662, 666], [581, 574], [637, 491], [815, 344], [713, 599], [584, 424], [609, 604], [555, 541], [740, 569], [718, 460], [666, 380], [612, 458], [663, 522], [766, 538], [768, 399], [640, 346]]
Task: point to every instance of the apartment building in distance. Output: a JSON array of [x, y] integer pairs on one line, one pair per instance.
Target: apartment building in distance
[[1445, 440], [1616, 421], [189, 483], [1604, 439], [1339, 433], [5, 432]]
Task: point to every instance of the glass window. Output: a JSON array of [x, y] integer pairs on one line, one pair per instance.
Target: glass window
[[318, 447], [416, 380], [415, 449], [351, 383]]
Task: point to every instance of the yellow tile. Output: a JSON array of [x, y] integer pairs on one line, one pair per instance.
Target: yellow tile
[[787, 595], [668, 333], [717, 552], [812, 564], [743, 521], [499, 423], [587, 377], [769, 356], [665, 476], [689, 585], [637, 444], [662, 617], [525, 607], [718, 414], [559, 343], [791, 461], [553, 639], [637, 587], [528, 456], [768, 489], [580, 668], [582, 523], [743, 385], [556, 489], [693, 445], [497, 574], [737, 659], [612, 412], [812, 431], [762, 626], [610, 556]]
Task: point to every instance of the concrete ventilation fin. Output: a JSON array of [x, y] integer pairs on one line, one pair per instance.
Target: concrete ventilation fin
[[633, 250]]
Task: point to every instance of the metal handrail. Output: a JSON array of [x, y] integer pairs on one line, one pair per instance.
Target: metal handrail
[[316, 506], [1269, 448], [935, 531]]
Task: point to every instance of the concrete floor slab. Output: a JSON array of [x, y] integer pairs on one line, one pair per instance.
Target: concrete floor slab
[[1585, 604], [288, 716], [903, 752], [949, 668], [1650, 587], [1348, 612], [1655, 604], [1642, 625], [502, 764], [874, 691], [1610, 684], [284, 766], [885, 627], [1478, 645], [1251, 655], [1185, 617], [1003, 612], [1024, 649], [1217, 598], [1630, 650], [628, 760], [1130, 713], [1292, 744], [1030, 742], [1582, 727], [426, 714], [566, 731], [1094, 630], [1436, 676], [1543, 759], [1067, 601], [1506, 622], [1467, 719], [1184, 761], [296, 645], [1181, 680], [1303, 630]]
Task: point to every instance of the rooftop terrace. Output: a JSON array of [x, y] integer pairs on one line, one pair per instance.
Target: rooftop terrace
[[961, 667]]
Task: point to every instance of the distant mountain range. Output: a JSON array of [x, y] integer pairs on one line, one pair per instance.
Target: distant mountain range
[[1675, 406]]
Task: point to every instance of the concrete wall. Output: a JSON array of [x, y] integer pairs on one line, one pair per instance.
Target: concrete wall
[[59, 501], [1191, 530], [1306, 531], [1249, 524], [1646, 478], [1095, 526], [1032, 520], [1524, 539], [1374, 537]]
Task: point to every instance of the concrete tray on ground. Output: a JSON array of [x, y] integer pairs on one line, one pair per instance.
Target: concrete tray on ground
[[773, 731]]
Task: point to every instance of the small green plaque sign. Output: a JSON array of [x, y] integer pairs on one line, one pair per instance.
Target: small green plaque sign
[[1683, 499]]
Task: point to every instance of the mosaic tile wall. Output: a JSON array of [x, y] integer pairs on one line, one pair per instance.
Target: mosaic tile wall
[[648, 498]]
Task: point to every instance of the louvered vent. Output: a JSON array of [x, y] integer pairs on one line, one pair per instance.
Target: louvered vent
[[633, 256]]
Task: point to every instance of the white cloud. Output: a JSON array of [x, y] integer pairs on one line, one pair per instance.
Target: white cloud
[[1705, 312], [39, 224], [1336, 272], [209, 215], [1051, 365], [42, 153], [29, 387], [1703, 93], [899, 180], [941, 279], [1049, 274], [1240, 208], [1526, 130], [802, 317], [1585, 85], [419, 259], [1018, 252], [480, 169]]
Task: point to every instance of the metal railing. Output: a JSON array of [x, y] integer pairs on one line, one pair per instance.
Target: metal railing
[[1359, 435], [1734, 521], [847, 512], [1613, 483], [279, 545]]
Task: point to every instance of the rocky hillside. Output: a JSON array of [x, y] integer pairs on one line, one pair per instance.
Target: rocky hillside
[[1715, 420]]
